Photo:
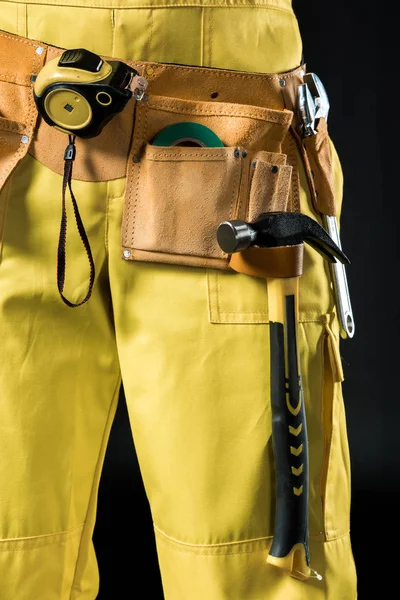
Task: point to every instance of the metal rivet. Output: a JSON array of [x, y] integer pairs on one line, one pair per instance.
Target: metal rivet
[[236, 153], [214, 95], [39, 50], [244, 153], [274, 169], [136, 159], [24, 139], [127, 253], [254, 164], [282, 82]]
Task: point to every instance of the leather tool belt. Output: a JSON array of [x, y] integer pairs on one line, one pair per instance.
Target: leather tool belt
[[176, 196]]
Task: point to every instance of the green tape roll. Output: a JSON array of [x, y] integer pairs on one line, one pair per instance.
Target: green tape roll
[[187, 133]]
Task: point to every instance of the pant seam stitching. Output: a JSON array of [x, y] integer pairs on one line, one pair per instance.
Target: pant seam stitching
[[176, 541], [66, 532], [114, 396]]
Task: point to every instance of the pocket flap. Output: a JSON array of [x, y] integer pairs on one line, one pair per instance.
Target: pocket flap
[[269, 187], [235, 124], [182, 194]]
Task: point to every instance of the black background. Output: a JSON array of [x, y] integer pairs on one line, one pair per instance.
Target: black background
[[352, 47]]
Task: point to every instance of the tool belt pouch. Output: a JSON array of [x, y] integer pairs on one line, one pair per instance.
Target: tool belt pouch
[[11, 146], [18, 113], [176, 196], [317, 160]]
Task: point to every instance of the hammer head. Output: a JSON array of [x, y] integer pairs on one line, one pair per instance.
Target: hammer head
[[274, 229]]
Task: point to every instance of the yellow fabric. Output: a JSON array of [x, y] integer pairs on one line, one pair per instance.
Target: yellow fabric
[[190, 345]]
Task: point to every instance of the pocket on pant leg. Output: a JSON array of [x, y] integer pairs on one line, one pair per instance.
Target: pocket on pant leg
[[335, 476]]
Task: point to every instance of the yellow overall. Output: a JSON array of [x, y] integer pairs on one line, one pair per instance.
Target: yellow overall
[[189, 344]]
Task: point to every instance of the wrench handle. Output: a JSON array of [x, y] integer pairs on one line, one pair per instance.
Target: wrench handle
[[339, 279]]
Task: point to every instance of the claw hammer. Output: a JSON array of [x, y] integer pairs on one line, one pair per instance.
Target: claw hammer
[[271, 247]]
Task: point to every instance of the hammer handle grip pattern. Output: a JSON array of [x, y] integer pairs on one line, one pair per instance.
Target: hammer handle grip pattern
[[289, 549]]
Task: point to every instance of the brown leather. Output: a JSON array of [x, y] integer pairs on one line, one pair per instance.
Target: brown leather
[[316, 153], [175, 198], [269, 187], [104, 157], [18, 114], [282, 261], [317, 156], [98, 159]]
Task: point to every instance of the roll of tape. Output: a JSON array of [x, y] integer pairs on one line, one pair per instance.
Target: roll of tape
[[187, 134]]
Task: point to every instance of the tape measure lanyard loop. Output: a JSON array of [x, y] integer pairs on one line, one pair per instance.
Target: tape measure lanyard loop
[[79, 93], [69, 157]]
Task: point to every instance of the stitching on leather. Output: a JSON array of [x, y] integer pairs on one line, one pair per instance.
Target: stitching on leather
[[235, 187], [11, 126], [27, 42], [138, 176], [23, 82], [295, 173], [216, 155], [258, 76], [132, 178], [269, 114], [8, 144], [23, 148], [20, 40]]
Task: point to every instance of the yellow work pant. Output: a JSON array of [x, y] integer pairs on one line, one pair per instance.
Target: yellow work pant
[[190, 345]]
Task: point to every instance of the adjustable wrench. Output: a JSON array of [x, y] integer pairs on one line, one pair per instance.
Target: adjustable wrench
[[313, 103]]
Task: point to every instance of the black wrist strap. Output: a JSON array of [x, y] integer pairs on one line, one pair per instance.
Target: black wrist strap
[[69, 157]]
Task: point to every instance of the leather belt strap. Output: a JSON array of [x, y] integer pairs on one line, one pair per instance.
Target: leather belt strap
[[282, 261], [104, 157]]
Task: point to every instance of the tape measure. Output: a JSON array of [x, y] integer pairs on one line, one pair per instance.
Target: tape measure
[[187, 134], [79, 92]]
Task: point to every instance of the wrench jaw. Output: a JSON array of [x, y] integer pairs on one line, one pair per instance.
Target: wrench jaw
[[306, 111], [319, 95], [312, 104]]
